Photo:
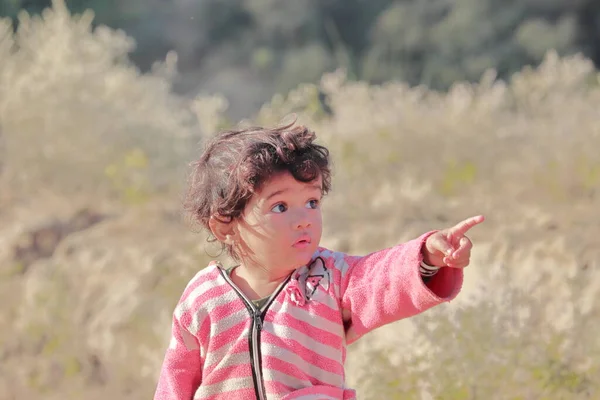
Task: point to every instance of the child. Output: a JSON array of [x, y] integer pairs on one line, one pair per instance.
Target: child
[[276, 325]]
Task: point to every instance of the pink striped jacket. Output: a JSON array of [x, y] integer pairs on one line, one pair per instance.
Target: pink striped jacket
[[294, 347]]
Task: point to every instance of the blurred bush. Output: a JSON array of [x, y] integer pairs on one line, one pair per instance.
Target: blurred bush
[[250, 50]]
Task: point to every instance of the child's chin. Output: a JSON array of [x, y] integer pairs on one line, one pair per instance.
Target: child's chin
[[304, 258]]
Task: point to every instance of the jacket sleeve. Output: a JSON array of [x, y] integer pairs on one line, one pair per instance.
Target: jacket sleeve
[[181, 372], [386, 286]]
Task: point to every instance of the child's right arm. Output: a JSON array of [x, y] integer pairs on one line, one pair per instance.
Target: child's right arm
[[181, 372]]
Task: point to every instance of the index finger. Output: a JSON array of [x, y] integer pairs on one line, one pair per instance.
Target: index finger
[[462, 227]]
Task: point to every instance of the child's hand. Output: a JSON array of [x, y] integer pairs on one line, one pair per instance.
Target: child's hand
[[450, 247]]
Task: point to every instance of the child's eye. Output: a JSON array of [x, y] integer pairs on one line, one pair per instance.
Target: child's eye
[[313, 204], [279, 208]]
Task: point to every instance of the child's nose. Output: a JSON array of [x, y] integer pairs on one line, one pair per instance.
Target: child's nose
[[302, 221], [303, 224]]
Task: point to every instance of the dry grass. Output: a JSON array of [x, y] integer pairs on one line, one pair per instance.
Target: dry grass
[[83, 129]]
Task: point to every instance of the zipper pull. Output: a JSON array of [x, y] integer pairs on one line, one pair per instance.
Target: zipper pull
[[258, 320]]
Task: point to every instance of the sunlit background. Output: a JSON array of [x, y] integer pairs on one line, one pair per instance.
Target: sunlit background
[[434, 111]]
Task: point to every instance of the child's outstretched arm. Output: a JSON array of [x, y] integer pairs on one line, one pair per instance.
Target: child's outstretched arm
[[386, 286], [181, 372]]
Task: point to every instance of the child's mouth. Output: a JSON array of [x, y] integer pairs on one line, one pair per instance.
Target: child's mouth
[[302, 243]]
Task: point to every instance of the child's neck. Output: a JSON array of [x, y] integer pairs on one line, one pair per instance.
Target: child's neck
[[256, 283]]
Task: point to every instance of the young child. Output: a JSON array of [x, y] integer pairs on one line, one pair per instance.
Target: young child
[[276, 325]]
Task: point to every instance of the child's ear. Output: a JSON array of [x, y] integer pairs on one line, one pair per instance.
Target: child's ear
[[223, 231]]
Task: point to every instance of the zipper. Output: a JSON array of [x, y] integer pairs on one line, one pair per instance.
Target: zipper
[[258, 316], [256, 328]]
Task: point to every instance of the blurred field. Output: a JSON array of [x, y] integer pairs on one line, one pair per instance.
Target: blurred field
[[94, 252]]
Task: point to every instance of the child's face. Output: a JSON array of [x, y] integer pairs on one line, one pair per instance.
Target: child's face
[[281, 226]]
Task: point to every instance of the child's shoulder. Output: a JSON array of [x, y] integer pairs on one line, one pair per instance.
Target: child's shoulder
[[209, 272], [204, 280]]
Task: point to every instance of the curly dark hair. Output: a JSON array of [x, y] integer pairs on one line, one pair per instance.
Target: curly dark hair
[[236, 163]]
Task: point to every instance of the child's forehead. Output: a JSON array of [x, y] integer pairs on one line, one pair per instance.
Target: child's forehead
[[286, 181]]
